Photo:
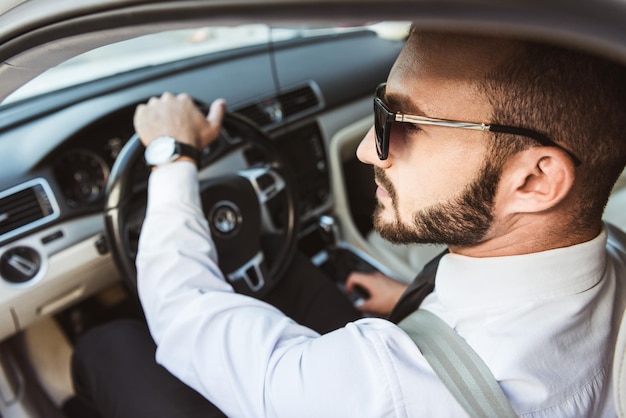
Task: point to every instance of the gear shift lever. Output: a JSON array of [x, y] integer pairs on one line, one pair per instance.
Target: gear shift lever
[[329, 230]]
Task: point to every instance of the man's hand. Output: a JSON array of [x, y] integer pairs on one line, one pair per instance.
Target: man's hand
[[178, 117], [384, 291]]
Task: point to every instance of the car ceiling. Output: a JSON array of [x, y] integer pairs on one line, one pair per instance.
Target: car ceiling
[[38, 34]]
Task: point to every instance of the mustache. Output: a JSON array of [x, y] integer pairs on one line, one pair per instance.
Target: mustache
[[383, 181]]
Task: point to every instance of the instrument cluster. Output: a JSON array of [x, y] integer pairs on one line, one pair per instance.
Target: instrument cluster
[[82, 175], [82, 167]]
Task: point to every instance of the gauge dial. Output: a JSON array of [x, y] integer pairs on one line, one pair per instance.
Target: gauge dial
[[83, 176]]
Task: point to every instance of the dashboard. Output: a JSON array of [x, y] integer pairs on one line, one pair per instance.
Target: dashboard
[[58, 151]]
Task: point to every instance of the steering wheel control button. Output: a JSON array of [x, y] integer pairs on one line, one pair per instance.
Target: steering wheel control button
[[265, 181], [20, 264], [225, 218], [165, 149]]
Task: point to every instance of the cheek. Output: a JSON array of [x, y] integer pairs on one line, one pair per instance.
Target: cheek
[[427, 175]]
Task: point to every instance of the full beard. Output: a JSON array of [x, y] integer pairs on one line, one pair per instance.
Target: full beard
[[462, 221]]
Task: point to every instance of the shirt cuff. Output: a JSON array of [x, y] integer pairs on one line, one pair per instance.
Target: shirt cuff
[[176, 182]]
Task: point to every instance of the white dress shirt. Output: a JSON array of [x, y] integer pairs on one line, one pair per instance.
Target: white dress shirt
[[544, 323]]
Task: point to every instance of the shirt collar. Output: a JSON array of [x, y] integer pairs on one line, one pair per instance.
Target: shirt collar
[[466, 282]]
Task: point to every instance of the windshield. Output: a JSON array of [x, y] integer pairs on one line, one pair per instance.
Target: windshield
[[171, 46]]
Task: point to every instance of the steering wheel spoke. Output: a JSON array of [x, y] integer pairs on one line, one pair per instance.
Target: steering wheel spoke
[[251, 275], [266, 182], [268, 185]]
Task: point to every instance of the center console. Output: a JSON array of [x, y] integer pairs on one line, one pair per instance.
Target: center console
[[318, 238]]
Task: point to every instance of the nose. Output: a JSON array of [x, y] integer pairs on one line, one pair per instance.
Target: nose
[[366, 152]]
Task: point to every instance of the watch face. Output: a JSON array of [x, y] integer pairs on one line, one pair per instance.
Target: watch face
[[161, 150]]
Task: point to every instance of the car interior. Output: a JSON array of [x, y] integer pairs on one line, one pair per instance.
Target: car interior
[[73, 180]]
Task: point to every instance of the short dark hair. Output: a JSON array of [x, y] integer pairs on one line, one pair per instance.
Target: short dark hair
[[575, 98]]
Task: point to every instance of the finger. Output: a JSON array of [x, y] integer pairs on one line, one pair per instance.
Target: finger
[[355, 278], [216, 112], [215, 117], [369, 305], [167, 96], [138, 117], [139, 110], [186, 101]]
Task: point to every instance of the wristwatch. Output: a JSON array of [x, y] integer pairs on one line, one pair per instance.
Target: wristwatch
[[165, 149]]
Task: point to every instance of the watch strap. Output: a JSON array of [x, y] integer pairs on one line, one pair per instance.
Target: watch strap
[[186, 150]]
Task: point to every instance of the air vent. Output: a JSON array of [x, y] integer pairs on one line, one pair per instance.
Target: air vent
[[25, 207], [291, 103], [299, 100], [256, 114]]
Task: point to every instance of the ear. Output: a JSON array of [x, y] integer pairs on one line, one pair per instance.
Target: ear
[[535, 180]]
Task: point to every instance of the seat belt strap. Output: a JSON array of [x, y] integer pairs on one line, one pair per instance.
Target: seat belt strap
[[458, 366]]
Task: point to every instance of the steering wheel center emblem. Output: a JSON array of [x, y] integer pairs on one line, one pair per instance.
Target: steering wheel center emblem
[[225, 217]]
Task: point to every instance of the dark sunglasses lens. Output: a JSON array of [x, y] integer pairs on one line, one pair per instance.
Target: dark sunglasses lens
[[380, 120]]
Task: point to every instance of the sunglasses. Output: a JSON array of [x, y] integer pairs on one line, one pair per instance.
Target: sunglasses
[[384, 117]]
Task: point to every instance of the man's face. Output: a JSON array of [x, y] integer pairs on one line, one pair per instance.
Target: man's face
[[437, 186]]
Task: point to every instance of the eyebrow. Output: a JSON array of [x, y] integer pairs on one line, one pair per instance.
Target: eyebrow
[[402, 103]]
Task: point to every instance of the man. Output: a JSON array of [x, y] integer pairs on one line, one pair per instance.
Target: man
[[532, 278]]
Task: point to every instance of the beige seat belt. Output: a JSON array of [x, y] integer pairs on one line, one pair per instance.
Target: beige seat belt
[[458, 366]]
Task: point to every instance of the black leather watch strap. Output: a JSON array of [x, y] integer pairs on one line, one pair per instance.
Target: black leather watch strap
[[185, 150]]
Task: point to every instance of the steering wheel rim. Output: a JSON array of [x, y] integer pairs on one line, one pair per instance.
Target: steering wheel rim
[[121, 201]]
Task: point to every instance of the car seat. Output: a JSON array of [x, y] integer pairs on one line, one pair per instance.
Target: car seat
[[619, 370]]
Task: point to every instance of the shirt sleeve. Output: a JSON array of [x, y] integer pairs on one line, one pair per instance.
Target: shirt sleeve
[[242, 354]]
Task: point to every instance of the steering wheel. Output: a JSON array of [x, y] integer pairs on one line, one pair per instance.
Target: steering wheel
[[251, 210]]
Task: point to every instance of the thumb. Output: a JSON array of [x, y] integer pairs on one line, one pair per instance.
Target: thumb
[[215, 118], [355, 278]]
